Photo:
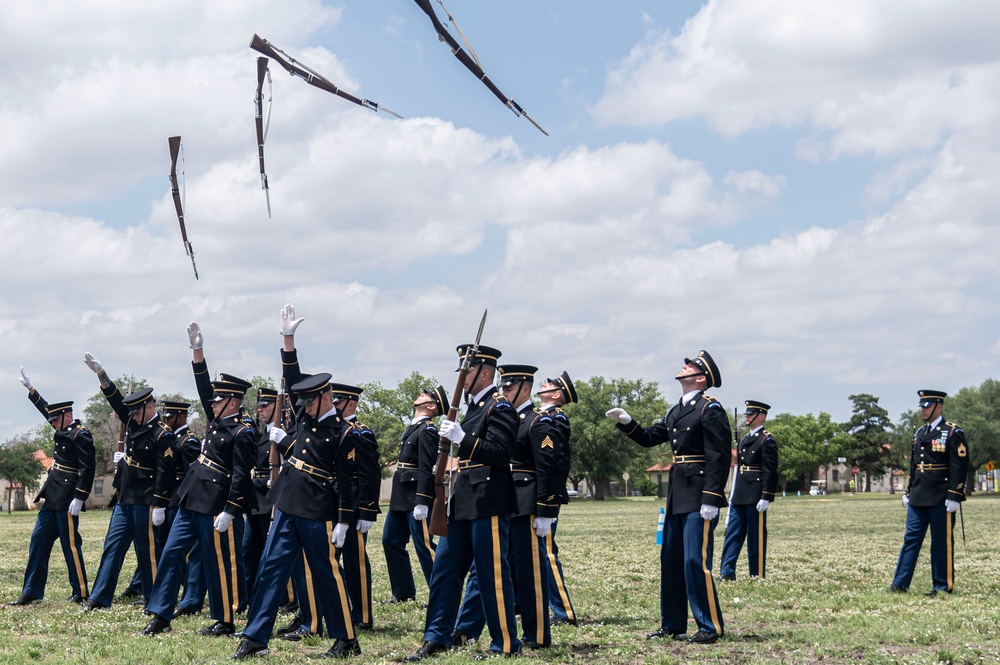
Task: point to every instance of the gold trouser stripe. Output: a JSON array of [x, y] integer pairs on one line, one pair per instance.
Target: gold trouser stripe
[[498, 582], [227, 607], [234, 576], [77, 561], [345, 605], [428, 543], [949, 545], [290, 590], [560, 583], [152, 543], [760, 544], [536, 574], [310, 596], [713, 611], [366, 615]]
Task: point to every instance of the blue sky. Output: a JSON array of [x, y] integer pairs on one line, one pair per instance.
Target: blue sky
[[804, 189]]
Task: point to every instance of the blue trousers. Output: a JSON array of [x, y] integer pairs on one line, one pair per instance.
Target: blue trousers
[[483, 542], [310, 597], [254, 539], [49, 525], [686, 574], [942, 524], [288, 539], [357, 574], [218, 554], [559, 601], [745, 523], [398, 530], [531, 589], [130, 525]]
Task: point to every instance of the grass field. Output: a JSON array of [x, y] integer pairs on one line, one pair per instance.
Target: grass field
[[824, 599]]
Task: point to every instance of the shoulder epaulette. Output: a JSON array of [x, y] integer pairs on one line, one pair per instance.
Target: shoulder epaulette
[[711, 403]]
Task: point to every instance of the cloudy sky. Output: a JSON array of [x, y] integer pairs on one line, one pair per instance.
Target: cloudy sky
[[806, 189]]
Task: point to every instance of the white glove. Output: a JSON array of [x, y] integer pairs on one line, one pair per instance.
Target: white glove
[[288, 321], [452, 431], [950, 506], [339, 535], [159, 515], [709, 512], [223, 522], [74, 507], [621, 415], [277, 435], [364, 525], [118, 456], [906, 501], [93, 363], [543, 525], [195, 338], [25, 381], [762, 505], [420, 513]]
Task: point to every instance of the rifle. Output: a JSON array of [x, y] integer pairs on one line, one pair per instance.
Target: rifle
[[117, 480], [439, 511], [274, 456]]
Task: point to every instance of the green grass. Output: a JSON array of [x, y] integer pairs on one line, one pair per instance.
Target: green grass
[[824, 599]]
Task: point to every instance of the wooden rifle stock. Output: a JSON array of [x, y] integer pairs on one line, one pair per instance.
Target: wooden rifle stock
[[274, 455], [439, 511]]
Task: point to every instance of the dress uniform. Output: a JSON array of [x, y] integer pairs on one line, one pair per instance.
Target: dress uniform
[[367, 481], [478, 518], [538, 486], [412, 485], [938, 466], [754, 483], [697, 429], [313, 493], [216, 492], [69, 482], [259, 520], [147, 478]]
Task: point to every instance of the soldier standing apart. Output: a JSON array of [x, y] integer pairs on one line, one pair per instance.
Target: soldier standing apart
[[479, 515], [698, 431], [65, 491], [938, 465], [412, 497], [216, 492], [554, 394], [147, 478], [755, 482]]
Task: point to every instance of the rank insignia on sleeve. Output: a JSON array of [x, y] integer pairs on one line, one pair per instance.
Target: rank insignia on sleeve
[[350, 455], [547, 443], [169, 452], [962, 452]]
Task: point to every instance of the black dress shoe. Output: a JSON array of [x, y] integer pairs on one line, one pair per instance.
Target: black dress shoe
[[343, 649], [531, 644], [292, 627], [425, 651], [76, 598], [90, 605], [895, 588], [156, 626], [129, 594], [396, 600], [667, 632], [297, 636], [249, 647], [291, 608], [185, 612], [460, 639], [701, 637], [559, 621], [218, 629], [25, 599], [727, 578], [364, 625]]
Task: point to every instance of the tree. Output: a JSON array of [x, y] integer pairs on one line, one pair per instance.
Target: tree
[[19, 465], [867, 428], [900, 445], [387, 411], [804, 443], [977, 411], [599, 451]]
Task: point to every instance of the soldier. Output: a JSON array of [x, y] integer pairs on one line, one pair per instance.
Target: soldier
[[698, 431], [216, 493], [147, 478], [479, 515], [65, 492], [367, 479], [554, 394], [412, 497], [936, 489], [259, 520], [538, 486], [754, 484]]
